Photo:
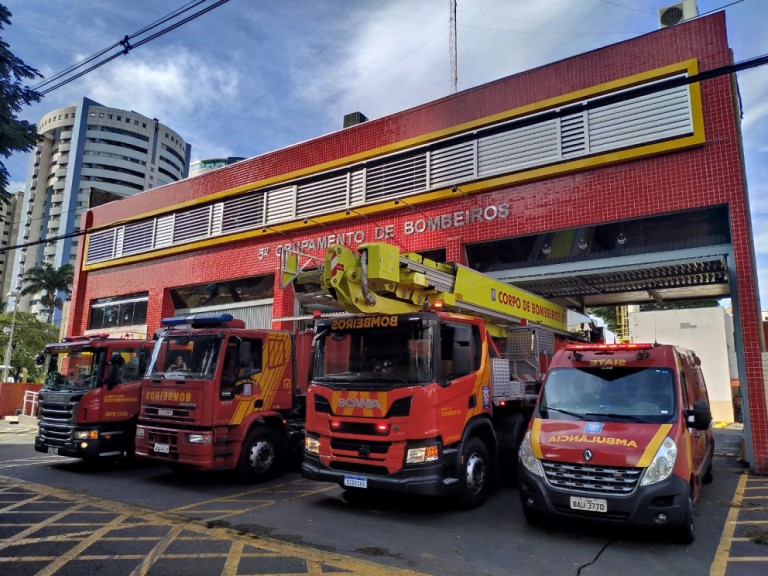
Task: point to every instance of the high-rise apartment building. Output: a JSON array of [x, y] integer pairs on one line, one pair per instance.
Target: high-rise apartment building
[[89, 154]]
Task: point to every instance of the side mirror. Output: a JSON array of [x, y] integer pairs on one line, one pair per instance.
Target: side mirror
[[40, 359], [700, 417]]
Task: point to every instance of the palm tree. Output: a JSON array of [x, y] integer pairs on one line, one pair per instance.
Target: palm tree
[[49, 280]]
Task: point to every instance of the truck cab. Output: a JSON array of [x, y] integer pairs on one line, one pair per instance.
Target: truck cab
[[219, 396], [621, 433], [90, 398]]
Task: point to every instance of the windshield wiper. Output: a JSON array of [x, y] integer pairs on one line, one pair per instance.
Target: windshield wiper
[[626, 417], [568, 412]]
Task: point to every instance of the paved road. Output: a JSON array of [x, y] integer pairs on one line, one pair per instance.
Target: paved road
[[57, 516]]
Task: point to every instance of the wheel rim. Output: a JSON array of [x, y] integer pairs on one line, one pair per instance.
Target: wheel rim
[[475, 473], [262, 456]]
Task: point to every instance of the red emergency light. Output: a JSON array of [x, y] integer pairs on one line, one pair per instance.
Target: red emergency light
[[628, 346]]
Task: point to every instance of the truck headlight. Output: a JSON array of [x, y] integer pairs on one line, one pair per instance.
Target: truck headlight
[[86, 434], [531, 463], [422, 454], [311, 445], [139, 432], [198, 438], [662, 464]]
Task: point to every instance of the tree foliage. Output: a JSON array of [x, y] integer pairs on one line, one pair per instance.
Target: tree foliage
[[15, 135], [29, 337], [609, 316], [50, 281]]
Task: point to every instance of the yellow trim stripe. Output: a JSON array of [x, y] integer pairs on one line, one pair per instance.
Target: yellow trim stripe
[[697, 138], [536, 438], [653, 446]]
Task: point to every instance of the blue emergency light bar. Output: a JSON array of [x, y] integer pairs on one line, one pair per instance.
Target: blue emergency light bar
[[197, 320]]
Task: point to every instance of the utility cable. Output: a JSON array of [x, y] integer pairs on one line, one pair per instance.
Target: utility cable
[[124, 46]]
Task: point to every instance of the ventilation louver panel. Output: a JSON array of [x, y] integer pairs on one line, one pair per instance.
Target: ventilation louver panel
[[191, 225], [315, 197], [644, 119], [281, 204], [452, 165], [101, 246], [573, 137], [396, 178], [138, 237], [243, 213], [518, 148]]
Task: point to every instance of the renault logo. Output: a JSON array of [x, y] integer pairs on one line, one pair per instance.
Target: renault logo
[[587, 454]]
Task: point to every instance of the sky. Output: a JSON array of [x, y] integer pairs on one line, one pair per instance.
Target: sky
[[252, 76]]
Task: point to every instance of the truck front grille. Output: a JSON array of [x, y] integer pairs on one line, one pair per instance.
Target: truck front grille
[[57, 417], [610, 480]]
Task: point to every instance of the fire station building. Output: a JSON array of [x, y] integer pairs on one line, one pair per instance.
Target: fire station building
[[609, 178]]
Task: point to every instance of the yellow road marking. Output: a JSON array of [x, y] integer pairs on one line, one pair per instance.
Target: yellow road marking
[[214, 543], [724, 547]]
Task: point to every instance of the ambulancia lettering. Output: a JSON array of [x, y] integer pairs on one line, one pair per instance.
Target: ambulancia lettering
[[358, 403], [610, 441]]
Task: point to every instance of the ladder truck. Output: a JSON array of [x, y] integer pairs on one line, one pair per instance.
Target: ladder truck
[[422, 385]]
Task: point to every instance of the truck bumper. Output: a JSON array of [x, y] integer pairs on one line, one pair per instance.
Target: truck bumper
[[109, 444], [658, 505], [427, 480]]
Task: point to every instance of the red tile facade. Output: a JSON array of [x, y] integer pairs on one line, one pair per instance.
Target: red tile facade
[[708, 175]]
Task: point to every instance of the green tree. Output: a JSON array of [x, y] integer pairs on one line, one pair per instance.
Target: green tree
[[50, 281], [608, 313], [15, 135], [29, 337]]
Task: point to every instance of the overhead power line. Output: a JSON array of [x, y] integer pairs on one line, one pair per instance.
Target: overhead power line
[[128, 43]]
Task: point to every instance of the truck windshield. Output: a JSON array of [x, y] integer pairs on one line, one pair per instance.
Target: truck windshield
[[73, 370], [379, 357], [629, 394], [185, 356]]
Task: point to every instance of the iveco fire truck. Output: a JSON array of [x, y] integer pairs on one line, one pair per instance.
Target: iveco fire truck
[[219, 396], [410, 395], [90, 399]]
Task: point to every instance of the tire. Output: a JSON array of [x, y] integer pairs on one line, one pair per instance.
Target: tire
[[685, 533], [262, 456], [709, 475], [474, 473]]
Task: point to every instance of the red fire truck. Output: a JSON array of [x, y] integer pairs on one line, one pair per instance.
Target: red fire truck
[[409, 396], [219, 396], [89, 403], [621, 434]]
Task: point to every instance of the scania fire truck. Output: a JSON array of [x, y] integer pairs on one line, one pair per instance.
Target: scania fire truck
[[423, 388], [219, 396], [89, 402]]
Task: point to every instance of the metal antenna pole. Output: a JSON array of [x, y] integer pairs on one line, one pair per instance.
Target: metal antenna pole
[[452, 47]]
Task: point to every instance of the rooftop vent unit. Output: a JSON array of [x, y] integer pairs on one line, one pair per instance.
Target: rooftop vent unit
[[354, 118], [676, 13]]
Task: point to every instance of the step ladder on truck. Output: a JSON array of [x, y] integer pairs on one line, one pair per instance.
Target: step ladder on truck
[[422, 378]]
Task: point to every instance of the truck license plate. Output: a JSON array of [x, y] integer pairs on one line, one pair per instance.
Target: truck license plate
[[355, 482], [589, 504], [162, 448], [54, 451]]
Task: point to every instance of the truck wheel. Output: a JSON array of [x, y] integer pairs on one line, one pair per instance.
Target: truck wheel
[[474, 473], [709, 476], [685, 534], [262, 455]]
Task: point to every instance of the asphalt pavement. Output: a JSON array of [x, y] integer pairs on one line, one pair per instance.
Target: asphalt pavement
[[742, 548]]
